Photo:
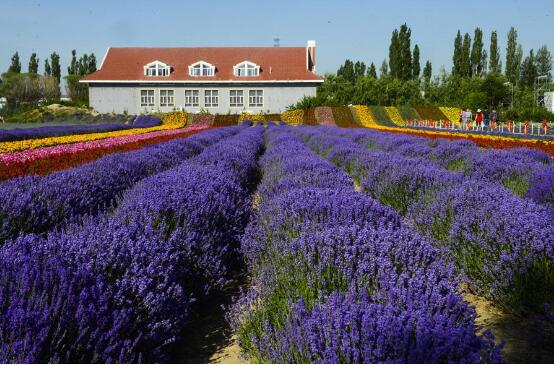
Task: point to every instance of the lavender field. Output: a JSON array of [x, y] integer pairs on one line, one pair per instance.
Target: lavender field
[[353, 245]]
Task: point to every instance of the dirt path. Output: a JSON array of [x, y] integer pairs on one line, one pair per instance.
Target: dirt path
[[526, 340], [208, 339]]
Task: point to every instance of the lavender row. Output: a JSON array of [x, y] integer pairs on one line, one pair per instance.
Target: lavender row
[[502, 243], [525, 172], [337, 278], [36, 204], [20, 134], [120, 287]]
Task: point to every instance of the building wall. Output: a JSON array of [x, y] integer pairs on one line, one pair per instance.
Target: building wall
[[118, 98]]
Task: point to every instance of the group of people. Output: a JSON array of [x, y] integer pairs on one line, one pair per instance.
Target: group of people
[[481, 118]]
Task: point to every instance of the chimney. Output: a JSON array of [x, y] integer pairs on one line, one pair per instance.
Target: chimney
[[311, 56]]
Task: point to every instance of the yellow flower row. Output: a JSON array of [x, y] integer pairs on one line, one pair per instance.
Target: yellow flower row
[[252, 117], [293, 117], [172, 121], [453, 114], [364, 117], [394, 115]]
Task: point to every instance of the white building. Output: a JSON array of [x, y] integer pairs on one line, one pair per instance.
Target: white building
[[219, 80]]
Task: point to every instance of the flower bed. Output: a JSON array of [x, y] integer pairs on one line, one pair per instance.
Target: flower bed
[[431, 113], [202, 120], [394, 115], [222, 120], [293, 117], [309, 117], [364, 117], [45, 160], [453, 114], [169, 123], [344, 117], [20, 134], [408, 112], [324, 115]]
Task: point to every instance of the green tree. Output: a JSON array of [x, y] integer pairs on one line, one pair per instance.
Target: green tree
[[394, 55], [494, 57], [544, 62], [347, 71], [15, 66], [466, 66], [384, 72], [416, 62], [83, 65], [405, 64], [457, 55], [47, 68], [528, 71], [513, 57], [427, 73], [72, 69], [92, 63], [476, 63], [372, 71], [494, 89], [33, 64], [359, 70], [56, 68]]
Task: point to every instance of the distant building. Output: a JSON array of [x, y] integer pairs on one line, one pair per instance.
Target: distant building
[[218, 80]]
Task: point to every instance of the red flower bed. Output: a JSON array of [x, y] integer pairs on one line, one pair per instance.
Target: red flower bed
[[49, 163]]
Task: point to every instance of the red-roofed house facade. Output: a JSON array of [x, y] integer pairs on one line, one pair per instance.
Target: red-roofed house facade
[[219, 80]]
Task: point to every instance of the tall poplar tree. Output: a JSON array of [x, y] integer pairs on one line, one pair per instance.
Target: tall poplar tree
[[394, 56], [47, 68], [457, 55], [476, 54], [513, 57], [494, 57], [405, 54], [372, 71], [15, 66], [33, 64], [528, 70], [416, 62], [384, 72], [56, 68], [427, 73], [544, 62], [466, 69]]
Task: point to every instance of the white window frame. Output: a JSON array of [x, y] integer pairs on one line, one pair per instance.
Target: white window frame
[[157, 68], [211, 98], [256, 98], [202, 69], [193, 99], [148, 99], [246, 69], [167, 97], [236, 98]]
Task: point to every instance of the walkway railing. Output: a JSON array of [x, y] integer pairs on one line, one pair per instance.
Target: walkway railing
[[523, 128]]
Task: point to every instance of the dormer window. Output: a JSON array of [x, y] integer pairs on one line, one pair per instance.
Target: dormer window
[[157, 68], [201, 68], [246, 68]]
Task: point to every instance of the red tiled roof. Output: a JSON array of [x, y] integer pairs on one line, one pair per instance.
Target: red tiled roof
[[276, 64]]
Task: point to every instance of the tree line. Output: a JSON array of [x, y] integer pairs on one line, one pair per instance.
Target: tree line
[[476, 79], [25, 90]]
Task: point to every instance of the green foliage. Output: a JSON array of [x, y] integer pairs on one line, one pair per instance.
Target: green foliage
[[33, 64], [514, 57], [427, 73], [465, 63], [528, 71], [476, 54], [26, 91], [75, 89], [457, 55], [372, 71], [15, 66], [55, 64], [416, 62], [544, 62], [47, 68], [494, 56]]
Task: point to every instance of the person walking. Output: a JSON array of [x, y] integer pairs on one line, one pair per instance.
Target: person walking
[[493, 118], [467, 118], [479, 118], [486, 118]]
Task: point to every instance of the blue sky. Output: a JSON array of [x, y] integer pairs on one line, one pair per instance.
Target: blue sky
[[359, 30]]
